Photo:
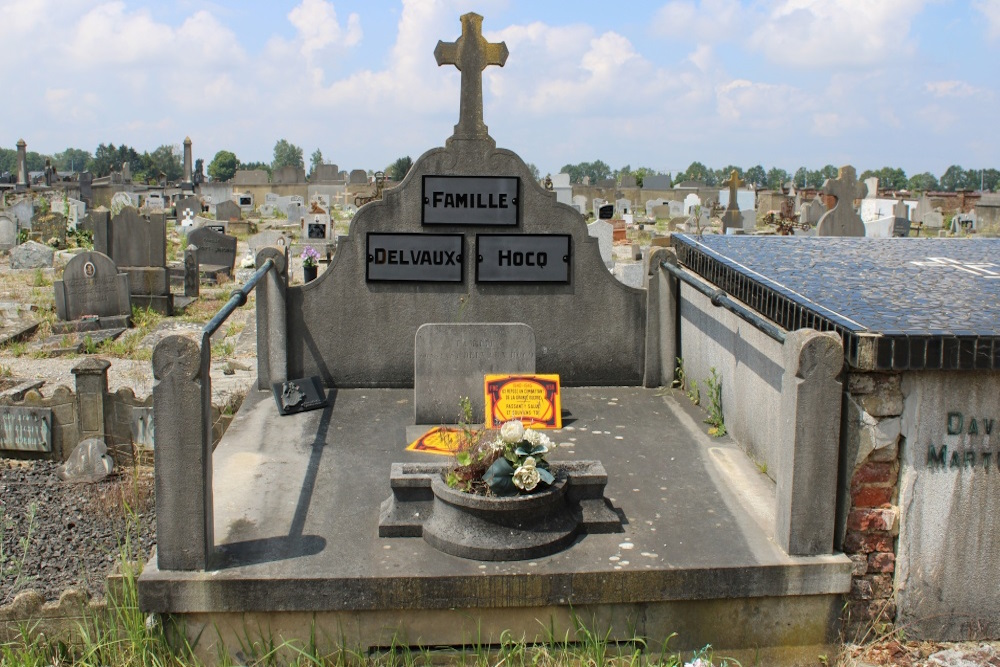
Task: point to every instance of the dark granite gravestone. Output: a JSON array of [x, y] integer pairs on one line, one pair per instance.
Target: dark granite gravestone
[[192, 271], [139, 248], [92, 285], [227, 210], [215, 250], [606, 212]]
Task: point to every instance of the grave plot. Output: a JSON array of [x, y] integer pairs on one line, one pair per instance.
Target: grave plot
[[281, 522]]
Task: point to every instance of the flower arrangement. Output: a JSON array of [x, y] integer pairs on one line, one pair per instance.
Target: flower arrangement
[[248, 261], [309, 256], [511, 463]]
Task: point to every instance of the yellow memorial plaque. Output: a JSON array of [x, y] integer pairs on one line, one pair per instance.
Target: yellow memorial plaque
[[534, 399], [439, 440]]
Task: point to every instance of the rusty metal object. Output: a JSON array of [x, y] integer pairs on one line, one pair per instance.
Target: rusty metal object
[[360, 201], [785, 220]]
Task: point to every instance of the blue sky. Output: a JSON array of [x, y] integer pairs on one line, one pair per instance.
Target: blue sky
[[787, 83]]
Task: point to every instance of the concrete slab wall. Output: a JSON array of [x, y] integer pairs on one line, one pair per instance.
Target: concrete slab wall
[[750, 364], [949, 533]]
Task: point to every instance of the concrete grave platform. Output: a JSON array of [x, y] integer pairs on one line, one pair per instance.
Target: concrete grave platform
[[296, 511]]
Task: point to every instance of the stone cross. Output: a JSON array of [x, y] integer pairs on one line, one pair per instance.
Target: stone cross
[[471, 54], [841, 219], [734, 182]]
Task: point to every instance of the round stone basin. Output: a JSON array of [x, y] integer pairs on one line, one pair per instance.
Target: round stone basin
[[498, 528]]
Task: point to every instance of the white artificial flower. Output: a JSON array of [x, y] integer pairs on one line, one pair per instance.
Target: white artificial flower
[[526, 477], [532, 436], [512, 431], [499, 445]]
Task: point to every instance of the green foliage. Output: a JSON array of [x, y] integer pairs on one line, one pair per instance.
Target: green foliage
[[535, 174], [39, 279], [756, 176], [715, 417], [223, 166], [776, 178], [696, 171], [315, 160], [89, 346], [925, 182], [71, 159], [397, 170], [597, 171], [889, 178], [286, 155]]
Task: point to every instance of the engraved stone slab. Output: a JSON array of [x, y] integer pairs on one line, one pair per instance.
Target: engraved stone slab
[[26, 429], [214, 249], [450, 361]]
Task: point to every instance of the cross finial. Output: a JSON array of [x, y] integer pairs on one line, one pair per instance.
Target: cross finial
[[734, 182], [471, 54], [841, 220]]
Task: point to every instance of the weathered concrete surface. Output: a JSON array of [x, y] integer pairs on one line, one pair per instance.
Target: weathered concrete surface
[[949, 531], [297, 505]]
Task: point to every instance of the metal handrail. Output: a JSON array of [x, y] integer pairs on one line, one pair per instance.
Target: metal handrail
[[721, 299], [236, 299]]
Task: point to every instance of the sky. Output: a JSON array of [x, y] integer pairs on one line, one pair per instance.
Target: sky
[[782, 83]]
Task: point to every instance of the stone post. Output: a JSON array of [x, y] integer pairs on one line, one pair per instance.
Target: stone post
[[192, 271], [187, 183], [91, 390], [22, 166], [805, 514], [183, 456], [272, 335], [662, 304]]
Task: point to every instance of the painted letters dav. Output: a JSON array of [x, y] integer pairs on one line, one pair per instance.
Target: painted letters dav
[[414, 258], [471, 200], [975, 450], [26, 429]]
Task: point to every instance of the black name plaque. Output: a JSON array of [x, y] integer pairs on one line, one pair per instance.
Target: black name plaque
[[471, 200], [522, 258], [434, 258]]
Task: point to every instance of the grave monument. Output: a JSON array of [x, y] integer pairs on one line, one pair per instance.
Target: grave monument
[[279, 526]]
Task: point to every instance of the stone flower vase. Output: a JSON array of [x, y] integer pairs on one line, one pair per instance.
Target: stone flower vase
[[501, 527], [309, 273]]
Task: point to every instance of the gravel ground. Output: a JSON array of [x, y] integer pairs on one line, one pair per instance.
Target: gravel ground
[[75, 532]]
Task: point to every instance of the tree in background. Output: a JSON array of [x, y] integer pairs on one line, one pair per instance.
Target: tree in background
[[925, 182], [756, 176], [286, 155], [641, 173], [722, 175], [397, 170], [249, 166], [889, 178], [164, 160], [696, 171], [776, 178], [108, 158], [989, 180], [955, 178], [597, 171], [535, 173], [315, 160], [71, 159], [223, 166]]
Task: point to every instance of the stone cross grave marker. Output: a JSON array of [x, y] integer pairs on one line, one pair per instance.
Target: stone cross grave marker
[[92, 285], [471, 54], [842, 220], [732, 218]]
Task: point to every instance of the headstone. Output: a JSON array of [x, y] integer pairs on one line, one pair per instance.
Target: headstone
[[186, 209], [23, 211], [25, 429], [661, 212], [267, 239], [92, 285], [8, 231], [630, 274], [319, 204], [89, 462], [271, 198], [676, 208], [690, 203], [652, 204], [214, 249], [934, 219], [623, 207], [580, 202], [450, 361], [812, 211], [228, 210], [325, 173], [842, 220], [732, 219], [295, 212], [245, 201], [154, 202], [872, 184], [317, 226], [358, 177], [192, 271], [606, 212], [32, 255], [603, 231], [48, 226]]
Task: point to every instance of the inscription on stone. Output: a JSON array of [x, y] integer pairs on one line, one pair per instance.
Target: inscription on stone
[[414, 258], [26, 429], [974, 433], [471, 200], [522, 258]]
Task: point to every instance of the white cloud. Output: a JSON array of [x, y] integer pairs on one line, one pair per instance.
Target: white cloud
[[760, 106], [991, 12], [703, 21], [952, 89], [820, 33], [318, 27]]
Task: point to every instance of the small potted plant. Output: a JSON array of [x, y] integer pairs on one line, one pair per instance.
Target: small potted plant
[[310, 256]]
